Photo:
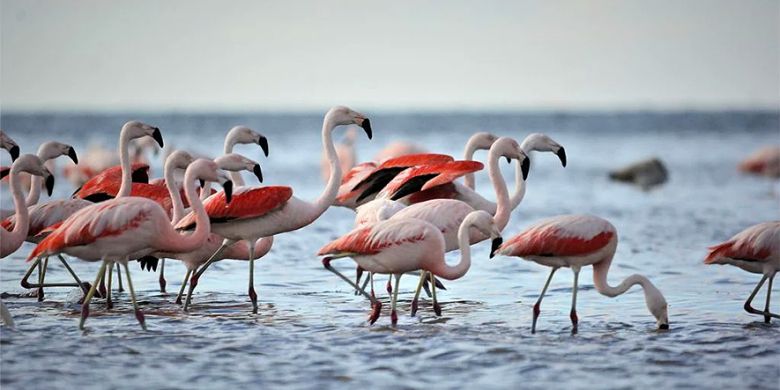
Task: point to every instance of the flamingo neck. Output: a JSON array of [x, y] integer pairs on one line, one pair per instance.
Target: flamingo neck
[[468, 154], [22, 223], [519, 193], [600, 271], [334, 180], [124, 160], [178, 243], [499, 185], [236, 177], [173, 189], [457, 271]]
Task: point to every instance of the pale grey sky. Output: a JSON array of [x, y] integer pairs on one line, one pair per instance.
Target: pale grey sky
[[307, 55]]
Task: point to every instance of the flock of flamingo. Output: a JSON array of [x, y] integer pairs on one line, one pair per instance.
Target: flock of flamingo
[[411, 209]]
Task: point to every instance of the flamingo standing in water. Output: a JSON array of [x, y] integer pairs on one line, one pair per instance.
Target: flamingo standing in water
[[399, 246], [115, 230], [575, 241], [756, 250], [265, 211]]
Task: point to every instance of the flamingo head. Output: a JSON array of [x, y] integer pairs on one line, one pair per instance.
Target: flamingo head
[[543, 143], [8, 144], [510, 149], [179, 159], [207, 170], [342, 116], [482, 140], [136, 129], [657, 305], [33, 165], [483, 221], [236, 163], [245, 135], [52, 149]]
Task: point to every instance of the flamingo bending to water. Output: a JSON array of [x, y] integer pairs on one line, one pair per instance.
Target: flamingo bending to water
[[266, 211], [755, 250], [399, 246], [576, 241]]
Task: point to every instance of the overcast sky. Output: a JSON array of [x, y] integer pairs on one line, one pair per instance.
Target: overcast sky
[[307, 55]]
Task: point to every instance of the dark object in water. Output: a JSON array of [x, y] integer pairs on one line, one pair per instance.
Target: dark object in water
[[646, 173]]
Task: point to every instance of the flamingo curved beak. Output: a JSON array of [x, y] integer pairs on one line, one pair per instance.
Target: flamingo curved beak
[[49, 183], [494, 245], [525, 167], [228, 187], [562, 155], [366, 125], [263, 142], [258, 172], [14, 151], [158, 136], [72, 155]]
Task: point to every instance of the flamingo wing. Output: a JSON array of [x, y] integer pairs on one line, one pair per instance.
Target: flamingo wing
[[105, 185], [246, 202], [354, 176], [96, 221], [374, 238], [567, 235], [386, 171], [756, 243], [425, 177], [47, 214]]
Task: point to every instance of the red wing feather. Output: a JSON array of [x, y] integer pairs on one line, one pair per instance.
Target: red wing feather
[[247, 202], [356, 241], [106, 182], [549, 241]]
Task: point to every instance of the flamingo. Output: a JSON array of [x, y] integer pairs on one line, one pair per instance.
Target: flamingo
[[97, 159], [575, 241], [765, 162], [114, 230], [399, 246], [266, 211], [755, 250], [346, 152], [8, 144], [10, 241]]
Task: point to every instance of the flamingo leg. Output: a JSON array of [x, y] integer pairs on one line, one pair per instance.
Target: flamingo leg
[[110, 275], [42, 277], [196, 275], [6, 316], [358, 276], [573, 313], [767, 314], [393, 314], [139, 315], [436, 307], [85, 306], [84, 287], [538, 305], [252, 293], [119, 278], [748, 308], [363, 287], [376, 306], [162, 281], [33, 266], [417, 293], [183, 285], [389, 286]]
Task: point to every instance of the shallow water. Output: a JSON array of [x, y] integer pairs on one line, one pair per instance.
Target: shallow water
[[311, 331]]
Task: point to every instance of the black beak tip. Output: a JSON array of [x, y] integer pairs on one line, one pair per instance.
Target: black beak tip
[[228, 186], [202, 183], [158, 136], [50, 184], [258, 172], [366, 125], [4, 172], [73, 156], [663, 327], [562, 155], [508, 160], [526, 167], [495, 244], [263, 142], [14, 152]]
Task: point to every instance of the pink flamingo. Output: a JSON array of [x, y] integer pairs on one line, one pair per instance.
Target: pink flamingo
[[756, 250], [575, 241], [10, 241], [114, 230], [8, 144], [266, 211], [399, 246]]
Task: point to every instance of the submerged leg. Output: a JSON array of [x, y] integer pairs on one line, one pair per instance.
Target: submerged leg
[[119, 278], [252, 293], [85, 306], [573, 313], [417, 293], [183, 285], [393, 314], [196, 275], [767, 314], [436, 307], [42, 277], [162, 281], [138, 314], [748, 307], [538, 305], [110, 274]]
